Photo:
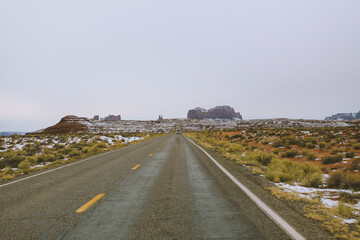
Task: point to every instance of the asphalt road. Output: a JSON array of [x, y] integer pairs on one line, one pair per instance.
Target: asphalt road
[[176, 193]]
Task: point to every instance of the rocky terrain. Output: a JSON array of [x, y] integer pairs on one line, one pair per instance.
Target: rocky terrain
[[72, 123], [344, 116], [220, 112]]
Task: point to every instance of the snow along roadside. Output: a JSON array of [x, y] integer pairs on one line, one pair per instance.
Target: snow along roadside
[[266, 209]]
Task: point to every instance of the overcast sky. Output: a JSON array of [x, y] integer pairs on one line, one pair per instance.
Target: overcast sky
[[267, 59]]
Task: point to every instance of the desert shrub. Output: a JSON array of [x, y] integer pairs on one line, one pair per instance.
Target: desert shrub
[[13, 160], [341, 179], [9, 171], [50, 158], [334, 151], [344, 210], [264, 159], [311, 176], [276, 151], [31, 150], [103, 145], [43, 158], [59, 156], [74, 153], [7, 177], [322, 145], [288, 171], [237, 136], [310, 145], [357, 136], [311, 157], [331, 159], [305, 152], [25, 166], [311, 140], [2, 164], [355, 165], [279, 176], [301, 143], [32, 159], [312, 180], [350, 154], [235, 148], [278, 144], [357, 146], [66, 151], [349, 197], [58, 146], [289, 154]]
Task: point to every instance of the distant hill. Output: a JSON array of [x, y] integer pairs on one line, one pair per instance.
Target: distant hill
[[344, 116], [6, 134]]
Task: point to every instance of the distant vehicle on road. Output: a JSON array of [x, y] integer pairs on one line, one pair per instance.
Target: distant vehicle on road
[[178, 131]]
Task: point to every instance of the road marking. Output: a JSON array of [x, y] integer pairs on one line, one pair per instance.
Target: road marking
[[134, 168], [151, 154], [68, 165], [266, 209], [158, 148], [90, 203]]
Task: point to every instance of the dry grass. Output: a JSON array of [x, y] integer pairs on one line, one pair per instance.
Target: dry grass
[[7, 177]]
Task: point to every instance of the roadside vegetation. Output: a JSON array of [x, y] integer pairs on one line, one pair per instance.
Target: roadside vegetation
[[24, 154], [318, 166]]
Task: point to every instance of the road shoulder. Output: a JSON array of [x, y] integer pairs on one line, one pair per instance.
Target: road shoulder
[[292, 212]]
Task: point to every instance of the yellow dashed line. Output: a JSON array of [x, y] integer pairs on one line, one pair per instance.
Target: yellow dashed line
[[90, 203], [134, 168], [151, 154], [158, 148]]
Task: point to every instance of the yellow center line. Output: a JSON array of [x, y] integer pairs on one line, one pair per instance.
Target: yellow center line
[[134, 168], [151, 154], [90, 203], [158, 148]]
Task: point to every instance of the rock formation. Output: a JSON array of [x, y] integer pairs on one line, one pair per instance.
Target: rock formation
[[357, 116], [344, 116], [222, 112], [113, 118], [68, 124]]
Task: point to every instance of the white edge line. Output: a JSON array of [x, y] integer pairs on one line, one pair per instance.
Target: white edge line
[[67, 165], [266, 209]]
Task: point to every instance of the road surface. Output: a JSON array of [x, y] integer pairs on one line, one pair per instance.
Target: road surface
[[164, 188]]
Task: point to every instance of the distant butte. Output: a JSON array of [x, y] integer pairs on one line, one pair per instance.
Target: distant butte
[[220, 112], [69, 124]]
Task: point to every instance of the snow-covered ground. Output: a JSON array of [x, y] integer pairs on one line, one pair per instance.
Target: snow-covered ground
[[42, 142], [328, 197]]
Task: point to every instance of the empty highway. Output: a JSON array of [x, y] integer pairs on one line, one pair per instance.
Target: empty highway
[[163, 188]]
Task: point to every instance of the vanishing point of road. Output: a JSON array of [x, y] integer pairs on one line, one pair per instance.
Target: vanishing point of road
[[163, 188]]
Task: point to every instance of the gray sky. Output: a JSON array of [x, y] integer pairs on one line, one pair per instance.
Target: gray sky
[[295, 59]]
